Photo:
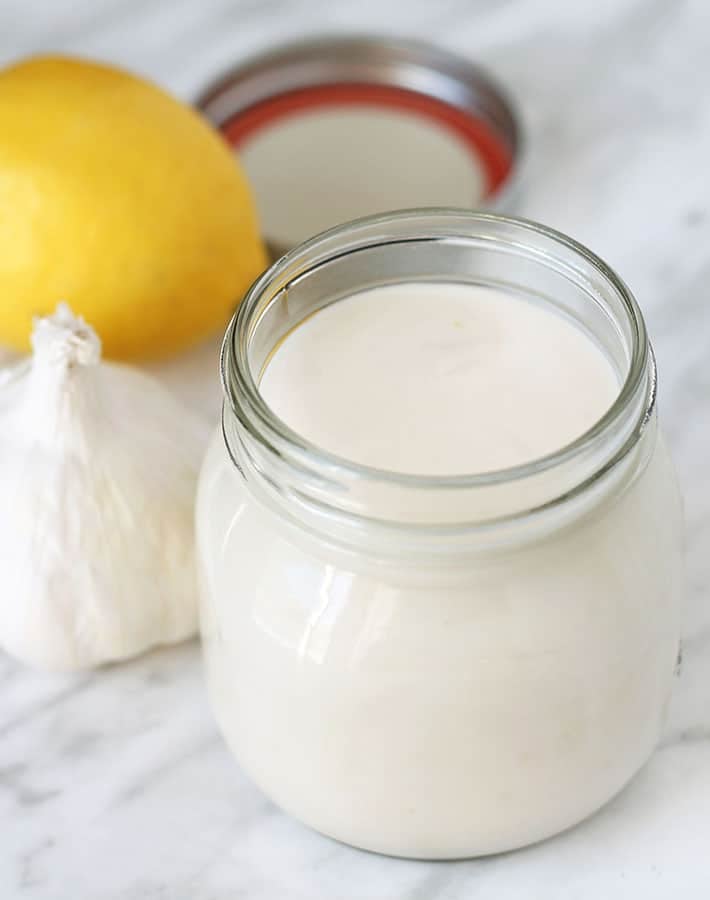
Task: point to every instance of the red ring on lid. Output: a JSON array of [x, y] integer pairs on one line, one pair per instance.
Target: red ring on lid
[[482, 142]]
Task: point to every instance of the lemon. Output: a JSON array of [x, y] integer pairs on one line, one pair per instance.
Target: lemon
[[121, 201]]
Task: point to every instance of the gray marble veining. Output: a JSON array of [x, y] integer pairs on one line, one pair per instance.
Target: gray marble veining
[[116, 785]]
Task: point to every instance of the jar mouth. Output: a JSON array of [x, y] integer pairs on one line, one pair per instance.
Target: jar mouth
[[603, 444]]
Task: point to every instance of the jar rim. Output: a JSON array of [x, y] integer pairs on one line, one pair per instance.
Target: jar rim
[[253, 412]]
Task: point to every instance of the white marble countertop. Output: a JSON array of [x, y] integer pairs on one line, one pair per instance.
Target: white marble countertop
[[116, 784]]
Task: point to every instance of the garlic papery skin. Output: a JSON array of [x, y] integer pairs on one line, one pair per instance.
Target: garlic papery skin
[[98, 469]]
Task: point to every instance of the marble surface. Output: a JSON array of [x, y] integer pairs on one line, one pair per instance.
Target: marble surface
[[116, 784]]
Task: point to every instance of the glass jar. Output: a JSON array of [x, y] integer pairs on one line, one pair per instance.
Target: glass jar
[[488, 666]]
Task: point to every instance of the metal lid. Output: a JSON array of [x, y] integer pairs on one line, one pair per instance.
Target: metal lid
[[334, 129]]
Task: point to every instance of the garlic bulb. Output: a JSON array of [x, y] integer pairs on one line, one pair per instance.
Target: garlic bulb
[[98, 470]]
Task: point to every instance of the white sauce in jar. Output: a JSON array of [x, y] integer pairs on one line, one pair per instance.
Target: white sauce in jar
[[438, 379]]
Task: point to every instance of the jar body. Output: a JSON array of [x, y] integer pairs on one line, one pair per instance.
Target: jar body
[[442, 709]]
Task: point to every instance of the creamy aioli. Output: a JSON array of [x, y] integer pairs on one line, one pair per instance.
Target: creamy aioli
[[439, 379]]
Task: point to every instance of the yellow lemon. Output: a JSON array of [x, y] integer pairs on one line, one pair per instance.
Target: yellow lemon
[[121, 201]]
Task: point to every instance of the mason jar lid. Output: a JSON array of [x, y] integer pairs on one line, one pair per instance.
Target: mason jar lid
[[334, 129]]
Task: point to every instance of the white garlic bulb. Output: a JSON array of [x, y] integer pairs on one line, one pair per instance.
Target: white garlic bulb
[[98, 471]]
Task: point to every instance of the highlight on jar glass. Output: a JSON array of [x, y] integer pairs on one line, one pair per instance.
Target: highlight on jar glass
[[440, 535]]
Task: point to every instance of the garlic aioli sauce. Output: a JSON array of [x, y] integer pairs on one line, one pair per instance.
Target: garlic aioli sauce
[[427, 709], [438, 379]]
